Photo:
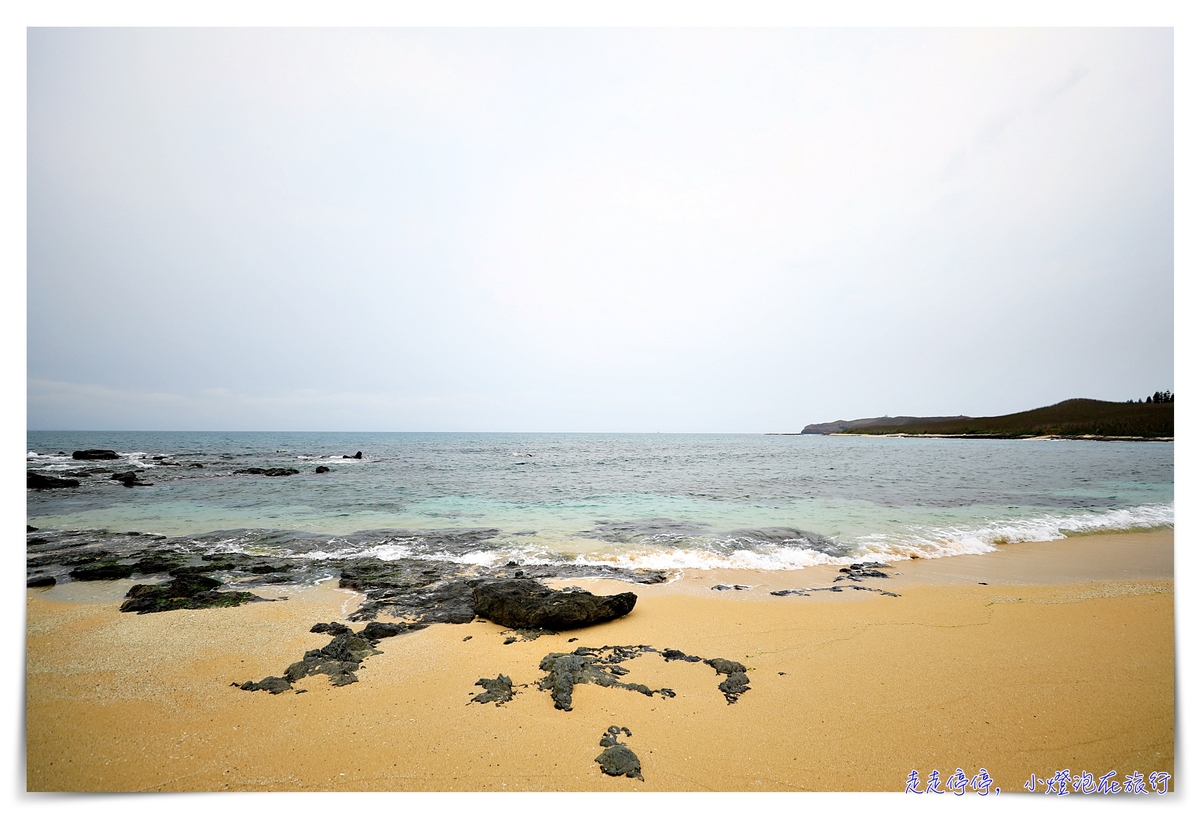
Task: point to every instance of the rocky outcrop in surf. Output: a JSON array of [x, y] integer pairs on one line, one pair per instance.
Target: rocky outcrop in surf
[[129, 479], [95, 454], [33, 480]]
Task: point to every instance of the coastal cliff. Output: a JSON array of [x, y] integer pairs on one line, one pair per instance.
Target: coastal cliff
[[1078, 418]]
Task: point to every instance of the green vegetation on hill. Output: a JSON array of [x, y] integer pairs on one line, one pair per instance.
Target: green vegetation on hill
[[1078, 417]]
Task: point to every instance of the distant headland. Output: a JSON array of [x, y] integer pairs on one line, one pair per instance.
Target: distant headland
[[1150, 419]]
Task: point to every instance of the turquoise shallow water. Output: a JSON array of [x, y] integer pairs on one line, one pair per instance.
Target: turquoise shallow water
[[651, 501]]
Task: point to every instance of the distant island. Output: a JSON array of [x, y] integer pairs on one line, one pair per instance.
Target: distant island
[[1153, 418]]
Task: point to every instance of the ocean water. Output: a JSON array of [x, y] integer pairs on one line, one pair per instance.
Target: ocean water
[[650, 501]]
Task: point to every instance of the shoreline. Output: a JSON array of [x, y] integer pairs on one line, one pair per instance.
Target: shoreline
[[1065, 659]]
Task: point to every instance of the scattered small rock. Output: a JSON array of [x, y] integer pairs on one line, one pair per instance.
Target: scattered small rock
[[617, 759], [862, 570], [268, 472], [836, 589], [272, 684], [322, 469], [736, 681], [731, 587], [340, 658], [498, 690], [601, 666]]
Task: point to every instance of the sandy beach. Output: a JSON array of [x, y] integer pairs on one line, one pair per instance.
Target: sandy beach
[[1027, 661]]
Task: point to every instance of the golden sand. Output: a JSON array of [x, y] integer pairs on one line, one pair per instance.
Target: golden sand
[[1029, 674]]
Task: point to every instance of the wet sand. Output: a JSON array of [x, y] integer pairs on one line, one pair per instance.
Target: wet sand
[[1064, 659]]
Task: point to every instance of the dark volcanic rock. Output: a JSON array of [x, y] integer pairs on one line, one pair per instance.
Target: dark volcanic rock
[[620, 760], [95, 454], [338, 660], [525, 603], [428, 592], [129, 479], [157, 564], [272, 684], [268, 472], [103, 570], [617, 759], [837, 589], [341, 657], [29, 528], [40, 582], [355, 456], [382, 630], [498, 690], [860, 571], [185, 590], [600, 666], [322, 469], [33, 480], [736, 681], [335, 628]]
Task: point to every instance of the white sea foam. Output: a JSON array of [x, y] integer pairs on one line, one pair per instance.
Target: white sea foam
[[933, 542], [913, 542], [743, 552]]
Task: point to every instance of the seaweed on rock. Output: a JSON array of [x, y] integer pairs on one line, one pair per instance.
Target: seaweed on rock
[[184, 591]]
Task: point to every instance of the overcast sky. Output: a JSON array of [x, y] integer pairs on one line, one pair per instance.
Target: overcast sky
[[694, 230]]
